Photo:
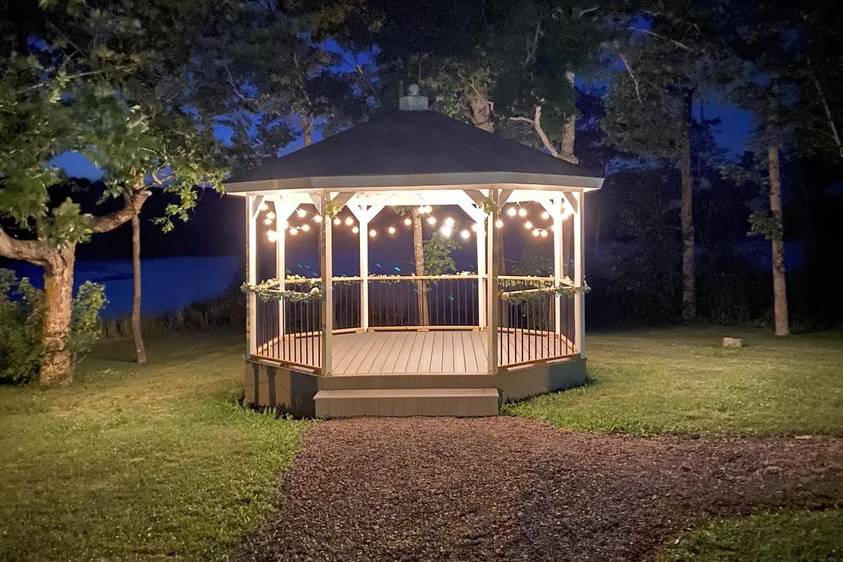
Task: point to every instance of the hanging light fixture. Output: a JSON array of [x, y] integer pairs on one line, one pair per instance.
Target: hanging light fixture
[[355, 229], [449, 221], [431, 220], [408, 221], [272, 235], [305, 227], [337, 221], [270, 215], [301, 213], [373, 233], [349, 221], [267, 221], [446, 231], [499, 223], [511, 212], [294, 231], [391, 230], [317, 218], [465, 234], [528, 225], [536, 232], [544, 234], [545, 215], [522, 212]]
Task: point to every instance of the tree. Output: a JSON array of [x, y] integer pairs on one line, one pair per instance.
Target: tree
[[668, 60], [128, 87]]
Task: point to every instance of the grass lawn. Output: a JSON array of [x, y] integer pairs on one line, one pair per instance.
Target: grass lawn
[[681, 380], [139, 462], [790, 536]]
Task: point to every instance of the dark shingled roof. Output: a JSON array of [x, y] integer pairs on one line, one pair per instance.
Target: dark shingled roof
[[410, 142]]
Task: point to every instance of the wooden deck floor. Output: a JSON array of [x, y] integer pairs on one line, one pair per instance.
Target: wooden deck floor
[[434, 352]]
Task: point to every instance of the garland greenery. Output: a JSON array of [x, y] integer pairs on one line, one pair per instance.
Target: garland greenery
[[268, 290], [566, 288]]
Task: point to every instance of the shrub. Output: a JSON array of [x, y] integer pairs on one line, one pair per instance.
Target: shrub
[[21, 314]]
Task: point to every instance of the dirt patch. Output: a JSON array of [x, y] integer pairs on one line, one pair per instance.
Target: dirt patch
[[510, 489]]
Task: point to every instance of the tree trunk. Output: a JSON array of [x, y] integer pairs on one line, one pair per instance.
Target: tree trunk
[[481, 112], [137, 327], [307, 129], [780, 315], [689, 289], [56, 359], [569, 128], [418, 257]]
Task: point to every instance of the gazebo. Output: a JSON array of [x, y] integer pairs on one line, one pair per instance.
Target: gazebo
[[401, 345]]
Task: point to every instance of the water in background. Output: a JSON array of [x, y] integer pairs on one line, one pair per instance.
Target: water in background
[[169, 284]]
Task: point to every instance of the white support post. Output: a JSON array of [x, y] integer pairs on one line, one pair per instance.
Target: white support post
[[492, 284], [364, 213], [579, 271], [558, 260], [476, 213], [283, 209], [481, 272], [363, 235], [326, 270], [252, 206]]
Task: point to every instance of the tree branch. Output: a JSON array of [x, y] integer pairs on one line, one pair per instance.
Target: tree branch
[[134, 200], [33, 251], [631, 75], [829, 117], [676, 43]]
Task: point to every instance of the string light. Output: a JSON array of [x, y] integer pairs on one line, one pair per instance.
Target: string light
[[355, 229], [446, 231], [431, 220], [301, 213], [337, 221], [317, 218], [566, 213], [522, 212], [349, 221], [499, 223], [408, 222], [391, 230], [267, 221], [449, 221], [528, 225], [373, 233], [270, 215], [263, 206], [544, 234], [465, 234], [536, 232], [272, 235], [474, 227], [511, 212], [545, 215], [294, 231], [305, 227]]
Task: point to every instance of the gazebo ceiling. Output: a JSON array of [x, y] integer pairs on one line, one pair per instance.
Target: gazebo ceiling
[[413, 149]]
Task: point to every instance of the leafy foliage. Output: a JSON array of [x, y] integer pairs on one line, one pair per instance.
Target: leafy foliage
[[437, 255], [21, 313]]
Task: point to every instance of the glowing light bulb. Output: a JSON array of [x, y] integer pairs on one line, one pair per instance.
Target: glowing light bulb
[[449, 221], [544, 234], [511, 212], [337, 221], [272, 236], [349, 221], [545, 215], [408, 222], [465, 234], [301, 213], [499, 223], [270, 215], [566, 213], [373, 233], [431, 220], [446, 231], [528, 225], [427, 209], [355, 229], [391, 230], [267, 221], [474, 227], [536, 232], [317, 218], [263, 207], [305, 227], [522, 212], [294, 231]]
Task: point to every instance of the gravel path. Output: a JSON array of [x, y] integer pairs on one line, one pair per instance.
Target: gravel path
[[511, 489]]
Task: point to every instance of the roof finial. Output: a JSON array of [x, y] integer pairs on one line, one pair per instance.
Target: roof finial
[[413, 101]]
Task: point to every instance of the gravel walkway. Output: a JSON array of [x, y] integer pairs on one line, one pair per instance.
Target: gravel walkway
[[511, 489]]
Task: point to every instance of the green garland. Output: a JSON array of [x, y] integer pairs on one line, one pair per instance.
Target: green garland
[[567, 289], [268, 290]]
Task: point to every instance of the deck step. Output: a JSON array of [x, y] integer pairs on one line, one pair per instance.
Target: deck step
[[379, 381], [458, 402]]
